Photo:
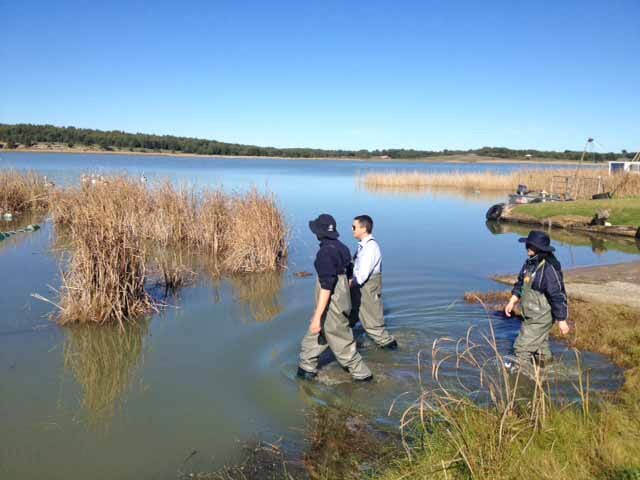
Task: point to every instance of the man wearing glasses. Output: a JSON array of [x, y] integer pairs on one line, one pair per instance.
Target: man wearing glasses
[[366, 284]]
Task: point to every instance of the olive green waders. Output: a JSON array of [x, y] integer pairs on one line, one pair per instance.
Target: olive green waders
[[367, 307], [338, 335], [533, 338]]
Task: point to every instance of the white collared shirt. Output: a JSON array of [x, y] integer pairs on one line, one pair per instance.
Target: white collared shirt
[[367, 260]]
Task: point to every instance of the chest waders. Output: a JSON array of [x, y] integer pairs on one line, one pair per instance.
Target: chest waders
[[368, 308], [533, 338], [336, 332]]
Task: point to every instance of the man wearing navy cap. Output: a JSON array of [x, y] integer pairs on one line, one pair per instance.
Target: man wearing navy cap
[[330, 322]]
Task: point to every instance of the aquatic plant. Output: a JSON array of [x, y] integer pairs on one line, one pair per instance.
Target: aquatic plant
[[117, 228], [23, 192], [256, 238], [105, 274], [535, 179]]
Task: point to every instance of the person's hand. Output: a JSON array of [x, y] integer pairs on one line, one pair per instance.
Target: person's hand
[[315, 326], [510, 306], [563, 326]]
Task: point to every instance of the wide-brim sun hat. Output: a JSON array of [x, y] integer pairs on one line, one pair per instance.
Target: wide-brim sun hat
[[324, 226], [539, 240]]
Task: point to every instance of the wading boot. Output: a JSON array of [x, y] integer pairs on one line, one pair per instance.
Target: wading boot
[[304, 375], [363, 380], [390, 346], [542, 361]]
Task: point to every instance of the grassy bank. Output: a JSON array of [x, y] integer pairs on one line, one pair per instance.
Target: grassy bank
[[624, 211], [535, 179], [535, 435]]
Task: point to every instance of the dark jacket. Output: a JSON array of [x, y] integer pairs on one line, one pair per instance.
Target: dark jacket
[[548, 280], [333, 259]]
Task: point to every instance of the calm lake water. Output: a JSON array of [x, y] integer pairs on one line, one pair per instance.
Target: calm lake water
[[217, 367]]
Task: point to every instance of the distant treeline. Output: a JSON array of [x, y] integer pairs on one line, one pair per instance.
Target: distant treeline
[[27, 135]]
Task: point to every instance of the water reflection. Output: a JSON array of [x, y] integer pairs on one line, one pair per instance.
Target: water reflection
[[103, 360], [258, 294], [599, 243]]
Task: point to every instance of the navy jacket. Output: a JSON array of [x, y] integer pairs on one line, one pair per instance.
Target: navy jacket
[[548, 281], [333, 259]]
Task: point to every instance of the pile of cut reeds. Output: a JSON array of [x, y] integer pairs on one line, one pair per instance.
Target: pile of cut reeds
[[23, 192], [113, 226]]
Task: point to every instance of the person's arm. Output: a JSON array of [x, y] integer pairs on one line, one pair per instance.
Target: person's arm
[[327, 277], [321, 306], [516, 292], [555, 293]]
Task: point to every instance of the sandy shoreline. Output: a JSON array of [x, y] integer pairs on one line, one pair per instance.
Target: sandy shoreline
[[451, 159]]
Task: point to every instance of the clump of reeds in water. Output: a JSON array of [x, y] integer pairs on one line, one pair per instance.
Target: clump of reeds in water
[[23, 192], [105, 278], [103, 362], [113, 225], [256, 235]]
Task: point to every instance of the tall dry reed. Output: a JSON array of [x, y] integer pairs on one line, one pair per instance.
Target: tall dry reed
[[534, 179], [256, 239], [116, 228], [106, 274], [23, 191]]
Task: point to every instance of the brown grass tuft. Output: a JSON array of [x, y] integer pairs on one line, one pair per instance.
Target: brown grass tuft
[[113, 225], [535, 179], [23, 191]]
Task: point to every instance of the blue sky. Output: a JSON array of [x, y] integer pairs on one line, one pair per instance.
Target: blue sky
[[330, 74]]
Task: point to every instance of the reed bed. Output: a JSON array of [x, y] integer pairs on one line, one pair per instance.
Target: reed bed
[[106, 274], [23, 192], [623, 185], [116, 227]]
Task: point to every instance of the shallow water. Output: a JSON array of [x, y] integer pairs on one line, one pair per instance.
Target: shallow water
[[217, 367]]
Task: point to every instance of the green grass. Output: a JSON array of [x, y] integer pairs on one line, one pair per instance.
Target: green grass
[[624, 211], [587, 440]]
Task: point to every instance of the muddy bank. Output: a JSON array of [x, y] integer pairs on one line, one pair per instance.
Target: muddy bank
[[610, 284]]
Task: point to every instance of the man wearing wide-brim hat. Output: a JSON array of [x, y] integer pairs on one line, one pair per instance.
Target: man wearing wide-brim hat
[[329, 325], [543, 300]]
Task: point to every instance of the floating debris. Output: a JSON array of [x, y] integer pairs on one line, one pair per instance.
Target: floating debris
[[302, 274], [10, 233]]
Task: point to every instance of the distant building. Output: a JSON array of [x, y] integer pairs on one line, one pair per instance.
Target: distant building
[[385, 157], [622, 165], [528, 156]]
